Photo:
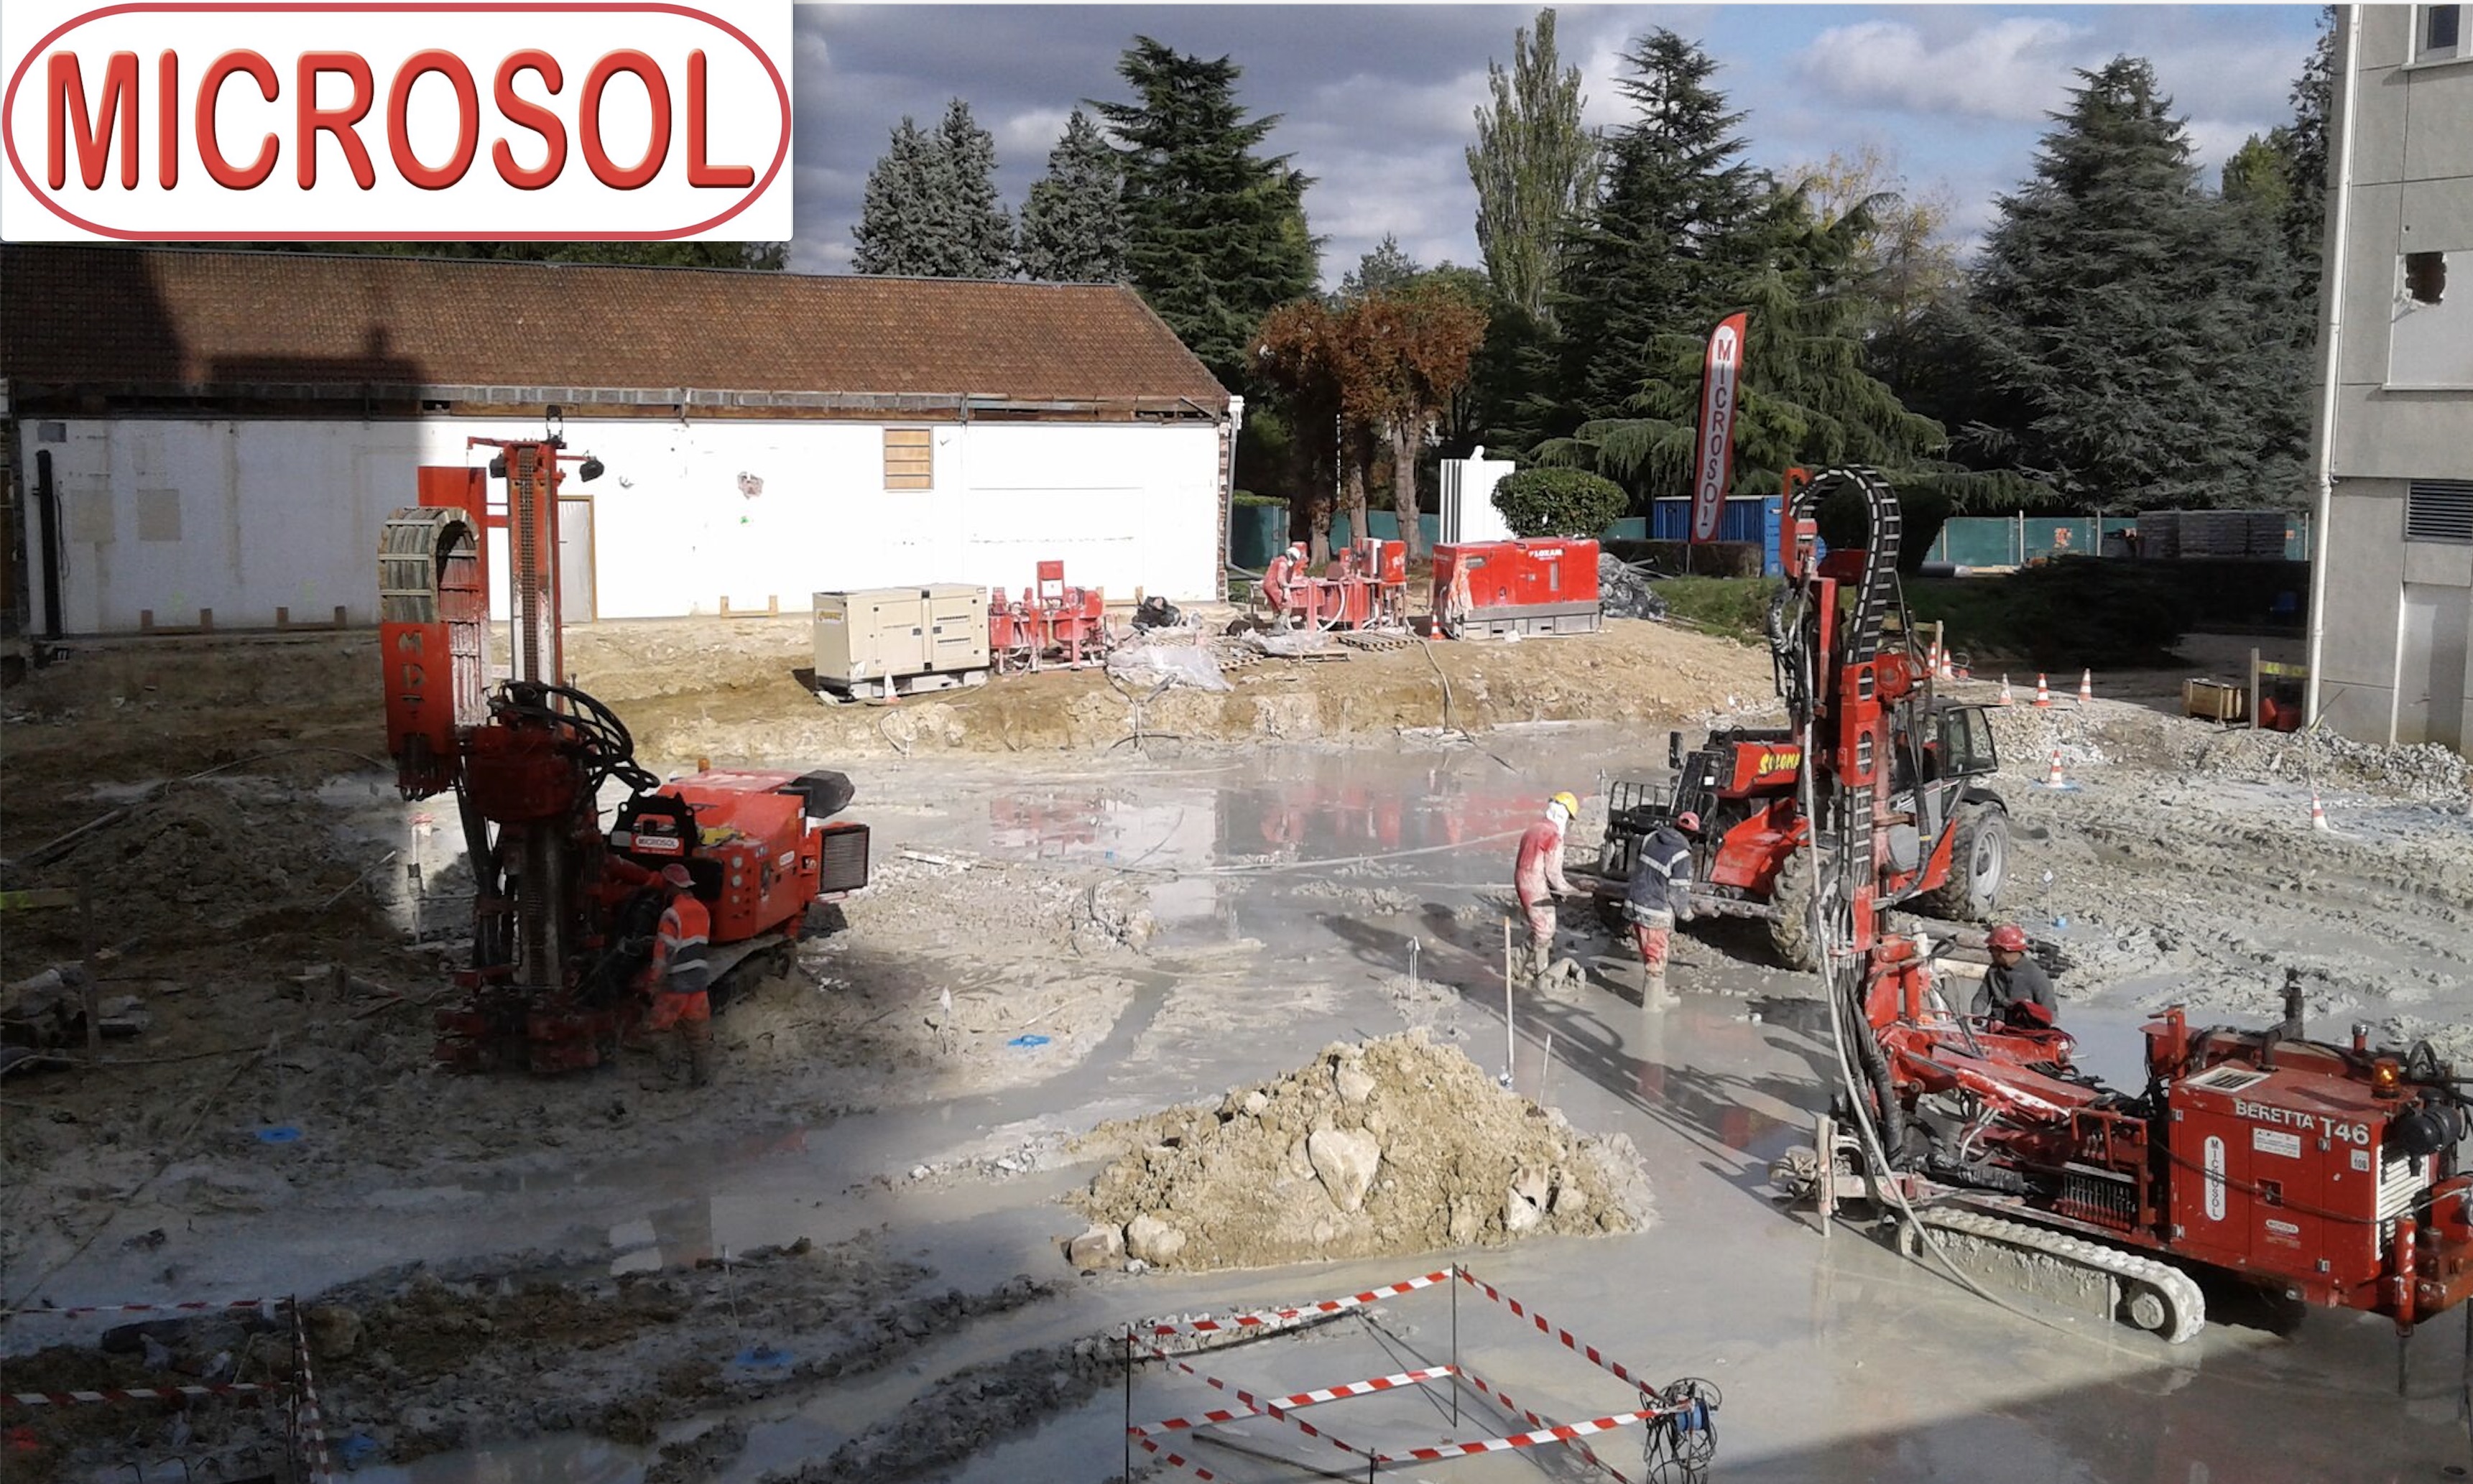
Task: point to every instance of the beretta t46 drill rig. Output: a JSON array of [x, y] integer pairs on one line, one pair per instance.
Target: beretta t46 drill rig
[[564, 907], [2332, 1174]]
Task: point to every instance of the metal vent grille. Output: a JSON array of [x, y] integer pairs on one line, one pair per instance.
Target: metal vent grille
[[2439, 510], [842, 864]]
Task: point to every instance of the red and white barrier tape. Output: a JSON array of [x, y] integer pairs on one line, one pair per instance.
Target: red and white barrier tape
[[137, 1393], [1562, 1435], [307, 1421], [1264, 1317], [1179, 1461], [1262, 1406], [202, 1307], [1503, 1400], [1303, 1399], [1594, 1356]]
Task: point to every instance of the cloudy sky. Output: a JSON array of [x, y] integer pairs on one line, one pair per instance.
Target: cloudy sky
[[1376, 101]]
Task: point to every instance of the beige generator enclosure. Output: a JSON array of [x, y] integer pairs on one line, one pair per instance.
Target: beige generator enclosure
[[885, 641]]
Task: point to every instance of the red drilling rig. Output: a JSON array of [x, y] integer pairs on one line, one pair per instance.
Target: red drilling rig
[[2332, 1174], [563, 907]]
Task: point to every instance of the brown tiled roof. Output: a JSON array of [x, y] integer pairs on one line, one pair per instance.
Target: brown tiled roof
[[101, 316]]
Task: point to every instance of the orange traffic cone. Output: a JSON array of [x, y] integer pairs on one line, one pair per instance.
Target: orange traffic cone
[[2005, 698], [2318, 813], [2043, 691], [2055, 780], [2086, 688]]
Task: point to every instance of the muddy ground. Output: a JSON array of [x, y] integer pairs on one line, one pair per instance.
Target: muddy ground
[[1068, 930]]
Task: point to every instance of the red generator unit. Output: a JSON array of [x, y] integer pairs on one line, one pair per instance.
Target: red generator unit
[[1052, 626], [1497, 589]]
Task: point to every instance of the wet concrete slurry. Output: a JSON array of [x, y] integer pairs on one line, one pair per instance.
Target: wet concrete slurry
[[1839, 1359]]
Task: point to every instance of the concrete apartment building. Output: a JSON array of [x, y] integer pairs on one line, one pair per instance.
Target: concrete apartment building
[[2392, 601]]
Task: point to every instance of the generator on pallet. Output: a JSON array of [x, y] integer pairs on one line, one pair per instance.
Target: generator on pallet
[[1364, 586], [1053, 625], [1497, 589], [881, 643]]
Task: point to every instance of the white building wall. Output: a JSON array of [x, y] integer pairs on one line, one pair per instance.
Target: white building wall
[[243, 517]]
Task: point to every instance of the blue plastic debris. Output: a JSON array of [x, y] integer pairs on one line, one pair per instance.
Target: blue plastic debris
[[760, 1356], [1027, 1041], [278, 1134]]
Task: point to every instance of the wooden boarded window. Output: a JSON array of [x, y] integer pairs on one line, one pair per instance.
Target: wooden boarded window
[[909, 459]]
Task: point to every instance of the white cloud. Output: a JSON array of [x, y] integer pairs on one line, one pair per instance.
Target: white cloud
[[2015, 69], [1030, 134]]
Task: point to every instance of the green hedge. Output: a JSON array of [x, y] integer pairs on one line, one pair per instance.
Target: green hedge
[[1565, 502]]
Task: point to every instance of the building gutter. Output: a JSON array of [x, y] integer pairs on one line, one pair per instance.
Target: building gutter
[[2331, 338]]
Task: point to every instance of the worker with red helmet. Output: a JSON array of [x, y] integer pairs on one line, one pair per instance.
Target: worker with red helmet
[[1537, 879], [2016, 990], [1660, 896], [682, 975]]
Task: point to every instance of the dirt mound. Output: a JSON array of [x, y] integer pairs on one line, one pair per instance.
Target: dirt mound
[[1397, 1145]]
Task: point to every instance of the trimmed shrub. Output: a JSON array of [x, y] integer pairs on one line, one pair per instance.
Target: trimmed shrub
[[1563, 502]]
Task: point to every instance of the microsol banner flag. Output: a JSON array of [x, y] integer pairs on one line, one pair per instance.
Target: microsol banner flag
[[1722, 375], [394, 120]]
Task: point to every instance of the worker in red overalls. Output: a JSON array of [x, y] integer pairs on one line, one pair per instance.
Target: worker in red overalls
[[682, 975], [1537, 879]]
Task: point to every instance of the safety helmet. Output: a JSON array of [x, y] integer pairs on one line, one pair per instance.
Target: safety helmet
[[2009, 938], [677, 876], [1688, 822], [1571, 806]]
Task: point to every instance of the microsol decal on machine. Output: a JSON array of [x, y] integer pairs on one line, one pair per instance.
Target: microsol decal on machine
[[2214, 1155], [461, 120]]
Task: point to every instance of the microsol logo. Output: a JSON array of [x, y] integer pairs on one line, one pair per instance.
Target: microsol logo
[[396, 121]]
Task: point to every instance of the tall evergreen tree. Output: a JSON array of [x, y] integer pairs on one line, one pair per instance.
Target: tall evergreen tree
[[1679, 226], [980, 229], [931, 207], [900, 213], [2136, 335], [1218, 230], [1073, 226], [1534, 167]]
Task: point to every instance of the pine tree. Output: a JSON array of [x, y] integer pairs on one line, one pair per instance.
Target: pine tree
[[1679, 226], [1218, 232], [1386, 269], [930, 208], [1534, 167], [900, 213], [2137, 335], [980, 240], [1073, 226]]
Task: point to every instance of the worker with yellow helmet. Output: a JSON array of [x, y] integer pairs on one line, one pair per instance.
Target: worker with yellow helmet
[[1537, 879]]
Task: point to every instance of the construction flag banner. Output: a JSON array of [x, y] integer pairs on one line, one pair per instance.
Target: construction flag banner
[[1721, 373]]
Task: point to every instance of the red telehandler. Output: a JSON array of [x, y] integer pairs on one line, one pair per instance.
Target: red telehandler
[[2330, 1173], [564, 906]]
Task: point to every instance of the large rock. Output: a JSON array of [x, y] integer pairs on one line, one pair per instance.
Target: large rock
[[1353, 1083], [1153, 1241], [1345, 1162], [1101, 1249]]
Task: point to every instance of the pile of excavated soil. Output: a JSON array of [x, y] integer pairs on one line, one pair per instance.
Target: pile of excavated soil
[[1396, 1145]]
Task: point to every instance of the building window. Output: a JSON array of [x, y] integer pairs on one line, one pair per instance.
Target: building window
[[909, 459], [2425, 277], [2439, 510], [2440, 36]]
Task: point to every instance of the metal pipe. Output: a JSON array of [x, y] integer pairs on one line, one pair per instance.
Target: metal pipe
[[47, 507], [2331, 337]]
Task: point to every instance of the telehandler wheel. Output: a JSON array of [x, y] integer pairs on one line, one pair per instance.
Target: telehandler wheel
[[1978, 866], [1791, 930]]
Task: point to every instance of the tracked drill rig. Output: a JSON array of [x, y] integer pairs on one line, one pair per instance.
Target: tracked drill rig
[[2333, 1173], [564, 906]]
